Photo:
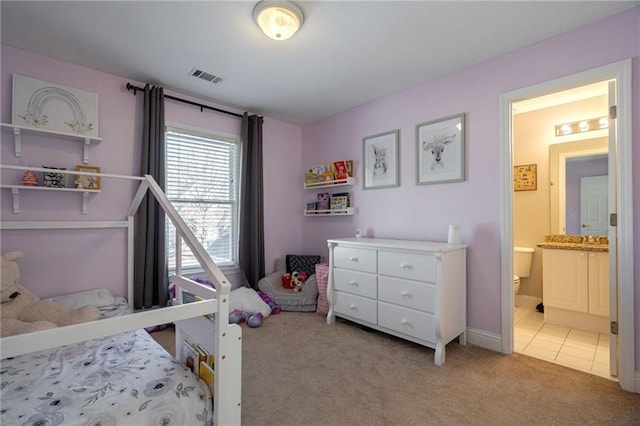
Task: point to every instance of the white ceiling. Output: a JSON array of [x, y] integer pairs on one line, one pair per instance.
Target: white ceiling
[[347, 53]]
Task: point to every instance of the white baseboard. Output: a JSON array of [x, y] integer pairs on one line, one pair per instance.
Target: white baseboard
[[527, 302], [484, 339], [637, 387]]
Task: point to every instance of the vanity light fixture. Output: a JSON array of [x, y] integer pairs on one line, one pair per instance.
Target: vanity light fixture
[[582, 126], [278, 19]]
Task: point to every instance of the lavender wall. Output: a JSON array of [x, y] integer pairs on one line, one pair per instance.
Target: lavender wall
[[425, 211], [58, 262]]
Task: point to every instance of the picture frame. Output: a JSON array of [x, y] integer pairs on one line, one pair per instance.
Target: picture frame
[[381, 166], [86, 181], [525, 177], [440, 150], [53, 107]]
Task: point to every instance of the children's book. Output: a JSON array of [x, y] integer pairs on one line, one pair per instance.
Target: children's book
[[323, 201], [338, 202], [207, 374], [190, 357], [340, 170]]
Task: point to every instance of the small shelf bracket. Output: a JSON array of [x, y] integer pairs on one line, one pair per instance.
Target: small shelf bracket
[[85, 198], [16, 200], [85, 157], [18, 141]]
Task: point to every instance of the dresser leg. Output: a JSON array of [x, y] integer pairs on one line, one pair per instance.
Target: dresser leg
[[462, 339], [438, 358]]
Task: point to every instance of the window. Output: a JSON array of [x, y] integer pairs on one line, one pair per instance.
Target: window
[[202, 183]]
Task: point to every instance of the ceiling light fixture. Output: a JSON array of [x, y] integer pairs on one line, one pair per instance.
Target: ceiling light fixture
[[278, 19], [582, 126]]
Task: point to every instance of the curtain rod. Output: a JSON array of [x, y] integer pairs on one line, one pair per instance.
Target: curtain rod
[[186, 101]]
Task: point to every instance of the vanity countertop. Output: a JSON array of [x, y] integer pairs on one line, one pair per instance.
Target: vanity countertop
[[574, 246], [575, 242]]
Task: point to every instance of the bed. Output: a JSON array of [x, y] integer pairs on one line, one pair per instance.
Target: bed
[[110, 371]]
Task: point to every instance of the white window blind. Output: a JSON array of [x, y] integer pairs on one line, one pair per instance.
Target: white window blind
[[202, 183]]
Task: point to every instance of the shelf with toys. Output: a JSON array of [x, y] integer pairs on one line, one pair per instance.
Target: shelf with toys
[[86, 181], [322, 177]]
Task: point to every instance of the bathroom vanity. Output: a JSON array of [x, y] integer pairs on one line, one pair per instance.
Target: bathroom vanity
[[575, 284]]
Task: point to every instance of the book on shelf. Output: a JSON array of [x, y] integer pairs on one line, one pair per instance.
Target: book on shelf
[[338, 202], [349, 167], [323, 201], [343, 194], [311, 206], [190, 356], [207, 374], [340, 171]]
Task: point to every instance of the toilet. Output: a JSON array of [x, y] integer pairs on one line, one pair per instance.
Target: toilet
[[521, 267]]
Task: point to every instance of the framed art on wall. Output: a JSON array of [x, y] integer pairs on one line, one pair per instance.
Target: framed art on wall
[[525, 177], [87, 181], [440, 146], [380, 160], [53, 107]]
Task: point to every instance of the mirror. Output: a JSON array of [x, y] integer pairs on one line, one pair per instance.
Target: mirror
[[558, 156]]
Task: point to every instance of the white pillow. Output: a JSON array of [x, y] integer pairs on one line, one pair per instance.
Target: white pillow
[[99, 298], [247, 300]]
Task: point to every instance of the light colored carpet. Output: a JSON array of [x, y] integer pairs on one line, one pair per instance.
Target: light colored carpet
[[297, 370]]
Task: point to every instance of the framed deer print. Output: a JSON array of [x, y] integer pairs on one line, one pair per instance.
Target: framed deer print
[[440, 150], [380, 160]]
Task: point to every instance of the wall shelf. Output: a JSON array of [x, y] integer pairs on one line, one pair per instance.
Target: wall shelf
[[18, 131], [349, 211], [329, 183], [15, 189]]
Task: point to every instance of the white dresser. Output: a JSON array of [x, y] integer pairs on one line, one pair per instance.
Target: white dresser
[[415, 290]]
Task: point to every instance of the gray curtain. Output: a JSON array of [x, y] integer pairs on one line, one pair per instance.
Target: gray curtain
[[150, 264], [251, 235]]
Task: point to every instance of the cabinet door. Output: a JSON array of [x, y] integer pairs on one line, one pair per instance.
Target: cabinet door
[[565, 281], [599, 283]]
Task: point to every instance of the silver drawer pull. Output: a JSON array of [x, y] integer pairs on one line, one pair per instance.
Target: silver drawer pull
[[404, 321], [405, 293], [405, 265], [353, 283], [353, 307], [353, 259]]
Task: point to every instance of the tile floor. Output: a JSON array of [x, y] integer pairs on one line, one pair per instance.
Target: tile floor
[[578, 349]]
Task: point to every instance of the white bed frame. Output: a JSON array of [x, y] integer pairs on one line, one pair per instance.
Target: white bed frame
[[222, 339]]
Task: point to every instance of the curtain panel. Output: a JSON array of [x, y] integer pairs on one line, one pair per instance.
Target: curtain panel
[[251, 233], [150, 264]]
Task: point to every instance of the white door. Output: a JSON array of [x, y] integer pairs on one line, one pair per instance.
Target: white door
[[613, 242], [594, 219]]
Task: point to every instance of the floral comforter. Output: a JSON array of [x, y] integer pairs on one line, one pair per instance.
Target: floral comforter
[[127, 379]]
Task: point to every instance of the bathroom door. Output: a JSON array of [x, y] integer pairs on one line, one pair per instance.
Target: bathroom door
[[594, 219]]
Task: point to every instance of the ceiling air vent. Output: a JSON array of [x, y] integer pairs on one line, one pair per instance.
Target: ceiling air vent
[[205, 76]]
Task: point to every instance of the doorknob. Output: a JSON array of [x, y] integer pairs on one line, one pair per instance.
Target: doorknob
[[584, 225]]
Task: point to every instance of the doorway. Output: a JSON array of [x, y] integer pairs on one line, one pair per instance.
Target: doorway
[[571, 333], [621, 245]]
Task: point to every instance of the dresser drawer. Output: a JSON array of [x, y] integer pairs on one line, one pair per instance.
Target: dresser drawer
[[355, 258], [357, 307], [360, 283], [413, 266], [413, 294], [413, 323]]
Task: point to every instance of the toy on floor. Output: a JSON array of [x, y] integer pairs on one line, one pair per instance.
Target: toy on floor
[[23, 312], [275, 309], [253, 319]]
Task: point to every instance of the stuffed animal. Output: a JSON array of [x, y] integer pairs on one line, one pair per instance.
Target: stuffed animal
[[286, 281], [297, 280], [23, 312]]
